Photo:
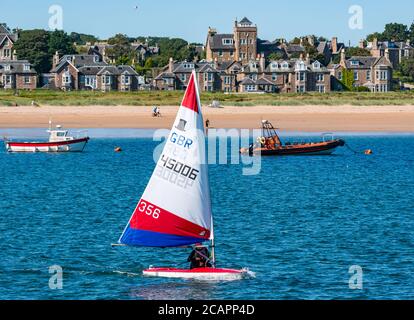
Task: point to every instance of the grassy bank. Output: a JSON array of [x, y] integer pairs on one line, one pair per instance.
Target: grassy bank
[[80, 98]]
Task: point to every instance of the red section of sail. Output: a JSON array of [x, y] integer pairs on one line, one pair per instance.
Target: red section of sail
[[149, 217], [190, 100]]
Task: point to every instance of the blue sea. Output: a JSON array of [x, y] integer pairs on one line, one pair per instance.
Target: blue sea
[[300, 224]]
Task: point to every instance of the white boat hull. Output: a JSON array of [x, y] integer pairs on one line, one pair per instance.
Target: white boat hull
[[199, 274], [31, 147]]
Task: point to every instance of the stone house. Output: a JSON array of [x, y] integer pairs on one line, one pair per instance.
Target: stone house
[[397, 51], [374, 73], [17, 74], [7, 40], [213, 76], [241, 45], [89, 72]]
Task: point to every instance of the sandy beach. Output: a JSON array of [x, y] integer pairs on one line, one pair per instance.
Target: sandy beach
[[286, 118]]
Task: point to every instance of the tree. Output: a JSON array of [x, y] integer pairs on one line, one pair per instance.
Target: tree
[[396, 32], [278, 55], [356, 51], [407, 67], [376, 35], [33, 45], [348, 79], [121, 50], [411, 33], [60, 41], [82, 39]]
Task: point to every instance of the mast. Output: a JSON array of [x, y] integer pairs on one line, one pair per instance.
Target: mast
[[212, 241]]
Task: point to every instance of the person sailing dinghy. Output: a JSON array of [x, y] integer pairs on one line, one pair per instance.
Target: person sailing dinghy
[[175, 208]]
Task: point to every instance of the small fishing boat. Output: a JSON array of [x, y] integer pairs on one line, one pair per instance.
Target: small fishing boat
[[59, 141], [269, 144], [175, 208]]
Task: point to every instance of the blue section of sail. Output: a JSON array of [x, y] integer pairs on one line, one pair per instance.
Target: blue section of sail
[[142, 238]]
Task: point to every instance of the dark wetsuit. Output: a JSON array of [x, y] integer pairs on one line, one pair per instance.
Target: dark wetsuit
[[199, 258]]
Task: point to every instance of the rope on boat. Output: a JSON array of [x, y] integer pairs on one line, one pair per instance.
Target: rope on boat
[[366, 152]]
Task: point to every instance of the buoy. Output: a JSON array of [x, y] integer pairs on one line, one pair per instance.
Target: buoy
[[368, 152], [118, 149]]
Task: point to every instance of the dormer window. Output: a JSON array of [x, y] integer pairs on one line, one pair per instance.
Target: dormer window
[[227, 42], [285, 65], [354, 63], [188, 66], [26, 67], [316, 65], [274, 65], [7, 67], [96, 58]]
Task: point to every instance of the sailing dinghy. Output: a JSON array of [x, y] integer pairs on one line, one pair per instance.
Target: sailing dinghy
[[175, 208]]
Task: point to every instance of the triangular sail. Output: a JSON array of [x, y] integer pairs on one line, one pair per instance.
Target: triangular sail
[[175, 209]]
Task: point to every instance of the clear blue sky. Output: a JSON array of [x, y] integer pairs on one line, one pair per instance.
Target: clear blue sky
[[189, 19]]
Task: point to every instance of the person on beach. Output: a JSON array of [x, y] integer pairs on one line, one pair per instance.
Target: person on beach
[[156, 112], [199, 257], [207, 123]]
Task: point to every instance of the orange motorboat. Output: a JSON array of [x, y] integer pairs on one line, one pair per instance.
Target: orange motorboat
[[271, 145]]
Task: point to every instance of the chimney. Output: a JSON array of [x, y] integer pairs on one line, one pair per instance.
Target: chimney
[[343, 57], [14, 57], [56, 59], [215, 64], [170, 65], [307, 58], [262, 62], [301, 42], [362, 44], [334, 44], [408, 42], [301, 57], [387, 54], [375, 44]]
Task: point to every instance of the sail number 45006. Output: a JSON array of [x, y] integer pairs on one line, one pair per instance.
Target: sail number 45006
[[149, 209], [178, 167]]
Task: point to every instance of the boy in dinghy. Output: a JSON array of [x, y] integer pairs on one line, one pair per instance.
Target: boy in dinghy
[[199, 257]]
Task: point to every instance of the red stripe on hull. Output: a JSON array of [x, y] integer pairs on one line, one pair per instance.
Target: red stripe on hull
[[198, 270], [150, 217], [46, 144]]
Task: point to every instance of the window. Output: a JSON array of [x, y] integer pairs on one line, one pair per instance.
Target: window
[[285, 65], [208, 76], [250, 87], [242, 56], [125, 79], [300, 76], [406, 53], [253, 76], [8, 79], [316, 65], [6, 53], [354, 63], [183, 77], [220, 53], [96, 58], [107, 80], [320, 88], [90, 81], [60, 134], [7, 67], [227, 80], [66, 78], [27, 79], [274, 76], [274, 66], [320, 77], [26, 67], [356, 77], [232, 53], [243, 41], [188, 66], [368, 74], [227, 42], [340, 75], [300, 89]]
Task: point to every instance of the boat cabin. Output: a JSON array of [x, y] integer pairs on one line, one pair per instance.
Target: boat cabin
[[59, 135]]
